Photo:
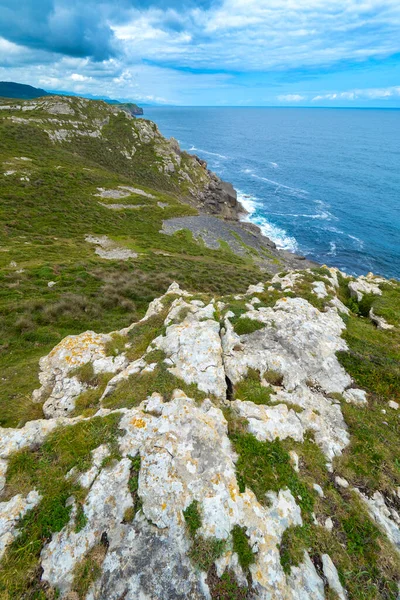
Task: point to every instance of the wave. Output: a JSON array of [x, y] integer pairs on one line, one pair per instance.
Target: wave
[[323, 215], [278, 235], [194, 149], [274, 165], [332, 251], [300, 193]]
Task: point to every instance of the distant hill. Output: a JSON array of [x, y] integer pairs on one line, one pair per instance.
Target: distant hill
[[10, 89]]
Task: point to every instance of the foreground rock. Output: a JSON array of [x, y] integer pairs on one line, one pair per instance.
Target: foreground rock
[[156, 512]]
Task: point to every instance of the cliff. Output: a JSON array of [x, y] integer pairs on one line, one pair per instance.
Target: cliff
[[185, 413]]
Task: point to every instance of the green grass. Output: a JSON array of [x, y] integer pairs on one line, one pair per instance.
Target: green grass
[[140, 386], [192, 517], [242, 547], [44, 469], [205, 551], [133, 484], [43, 224], [265, 466], [245, 325], [250, 389]]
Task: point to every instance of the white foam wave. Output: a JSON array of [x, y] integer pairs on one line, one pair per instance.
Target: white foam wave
[[332, 251], [322, 215], [293, 191], [247, 171], [359, 242], [275, 233], [194, 149], [274, 165]]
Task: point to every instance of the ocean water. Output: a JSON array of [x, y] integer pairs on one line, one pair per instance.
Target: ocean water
[[321, 182]]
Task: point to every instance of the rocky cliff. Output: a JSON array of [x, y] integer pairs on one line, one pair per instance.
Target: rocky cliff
[[221, 447]]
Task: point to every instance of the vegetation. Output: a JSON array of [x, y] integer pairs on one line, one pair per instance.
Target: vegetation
[[49, 205], [44, 469], [192, 517]]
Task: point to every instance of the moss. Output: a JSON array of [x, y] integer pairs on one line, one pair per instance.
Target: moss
[[192, 517], [242, 547]]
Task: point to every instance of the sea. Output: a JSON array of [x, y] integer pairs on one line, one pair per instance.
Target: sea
[[324, 183]]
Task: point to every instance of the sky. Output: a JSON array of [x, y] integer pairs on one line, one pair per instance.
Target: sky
[[207, 52]]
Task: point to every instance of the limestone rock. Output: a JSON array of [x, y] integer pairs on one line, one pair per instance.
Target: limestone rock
[[10, 513], [332, 576]]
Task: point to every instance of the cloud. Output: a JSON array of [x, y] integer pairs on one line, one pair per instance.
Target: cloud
[[68, 27], [291, 98], [204, 51], [361, 94]]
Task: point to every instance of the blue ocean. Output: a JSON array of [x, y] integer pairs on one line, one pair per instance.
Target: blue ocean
[[320, 182]]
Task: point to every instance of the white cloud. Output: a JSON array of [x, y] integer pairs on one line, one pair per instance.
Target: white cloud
[[361, 94], [78, 77], [291, 98]]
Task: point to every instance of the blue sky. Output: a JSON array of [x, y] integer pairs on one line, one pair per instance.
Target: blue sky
[[206, 52]]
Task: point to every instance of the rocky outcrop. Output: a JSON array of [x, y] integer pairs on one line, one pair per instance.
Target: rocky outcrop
[[175, 455]]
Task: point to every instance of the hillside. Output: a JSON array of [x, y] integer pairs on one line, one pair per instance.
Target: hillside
[[9, 89], [186, 411]]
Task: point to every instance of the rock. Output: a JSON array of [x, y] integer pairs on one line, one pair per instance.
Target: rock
[[59, 387], [382, 515], [364, 285], [10, 513], [320, 289], [341, 482], [319, 490], [106, 248], [194, 346], [393, 404], [270, 422], [355, 396], [294, 459], [380, 322], [332, 576], [298, 341], [328, 524]]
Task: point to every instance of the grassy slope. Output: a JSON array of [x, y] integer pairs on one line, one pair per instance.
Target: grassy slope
[[43, 224]]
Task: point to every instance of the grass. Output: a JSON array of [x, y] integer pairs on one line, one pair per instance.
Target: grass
[[192, 517], [250, 389], [133, 484], [44, 469], [226, 587], [245, 325], [43, 224], [85, 374], [88, 570], [140, 386], [205, 551], [266, 466], [242, 547]]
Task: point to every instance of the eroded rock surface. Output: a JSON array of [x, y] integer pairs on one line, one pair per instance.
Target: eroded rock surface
[[172, 453]]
